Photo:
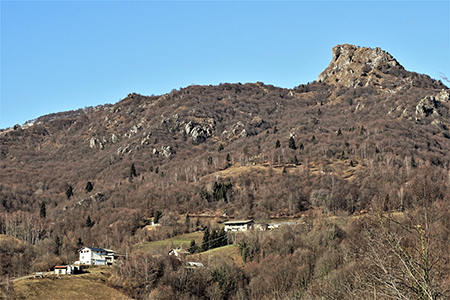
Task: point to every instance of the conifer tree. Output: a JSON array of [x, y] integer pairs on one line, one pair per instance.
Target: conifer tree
[[187, 221], [223, 237], [206, 240], [413, 162], [213, 240], [57, 245], [292, 143], [277, 144], [193, 248], [157, 217], [132, 172], [69, 192], [89, 187], [43, 210], [89, 223]]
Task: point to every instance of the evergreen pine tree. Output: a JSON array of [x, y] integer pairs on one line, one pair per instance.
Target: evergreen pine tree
[[157, 217], [277, 144], [413, 162], [206, 240], [89, 187], [386, 203], [69, 192], [89, 223], [292, 143], [43, 210], [295, 160], [220, 147], [193, 248], [223, 237], [187, 221], [228, 157], [132, 172], [213, 240], [275, 129], [57, 245]]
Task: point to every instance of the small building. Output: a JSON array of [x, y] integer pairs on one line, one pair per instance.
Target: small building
[[96, 256], [239, 225], [60, 270], [66, 270]]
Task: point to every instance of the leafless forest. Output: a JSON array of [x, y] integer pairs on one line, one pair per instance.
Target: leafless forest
[[364, 166]]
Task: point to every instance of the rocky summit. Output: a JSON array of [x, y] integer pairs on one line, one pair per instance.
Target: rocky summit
[[354, 66]]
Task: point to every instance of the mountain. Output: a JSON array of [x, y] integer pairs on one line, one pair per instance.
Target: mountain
[[342, 143]]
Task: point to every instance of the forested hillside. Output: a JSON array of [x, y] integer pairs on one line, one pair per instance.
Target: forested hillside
[[360, 156]]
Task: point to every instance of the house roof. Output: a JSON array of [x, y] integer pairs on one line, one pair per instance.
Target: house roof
[[60, 267], [96, 249], [238, 222]]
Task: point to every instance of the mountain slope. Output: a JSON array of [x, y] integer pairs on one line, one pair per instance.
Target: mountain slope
[[365, 117]]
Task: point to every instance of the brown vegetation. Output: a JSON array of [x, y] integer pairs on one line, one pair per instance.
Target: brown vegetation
[[242, 151]]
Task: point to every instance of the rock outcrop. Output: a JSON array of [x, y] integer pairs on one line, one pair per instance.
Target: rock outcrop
[[353, 66]]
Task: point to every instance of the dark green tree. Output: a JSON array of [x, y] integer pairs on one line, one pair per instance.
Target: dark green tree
[[193, 248], [57, 245], [132, 172], [220, 147], [295, 160], [213, 240], [223, 237], [89, 223], [187, 221], [89, 187], [228, 157], [157, 217], [69, 192], [157, 170], [43, 210], [277, 144], [275, 129], [206, 240], [292, 143], [79, 243], [339, 132], [386, 203], [413, 162]]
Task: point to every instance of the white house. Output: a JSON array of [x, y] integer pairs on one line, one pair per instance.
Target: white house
[[238, 225], [95, 256]]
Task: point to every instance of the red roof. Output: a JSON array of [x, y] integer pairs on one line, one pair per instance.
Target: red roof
[[60, 267]]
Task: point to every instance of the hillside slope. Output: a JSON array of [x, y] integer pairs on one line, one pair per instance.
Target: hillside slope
[[241, 150]]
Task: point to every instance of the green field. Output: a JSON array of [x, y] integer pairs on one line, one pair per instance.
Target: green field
[[181, 241]]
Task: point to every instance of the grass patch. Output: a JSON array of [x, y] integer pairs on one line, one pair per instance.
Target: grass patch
[[182, 241], [213, 256]]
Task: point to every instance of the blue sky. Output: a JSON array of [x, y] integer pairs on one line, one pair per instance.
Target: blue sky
[[65, 55]]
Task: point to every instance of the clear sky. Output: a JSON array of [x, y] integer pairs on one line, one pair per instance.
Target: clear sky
[[65, 55]]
